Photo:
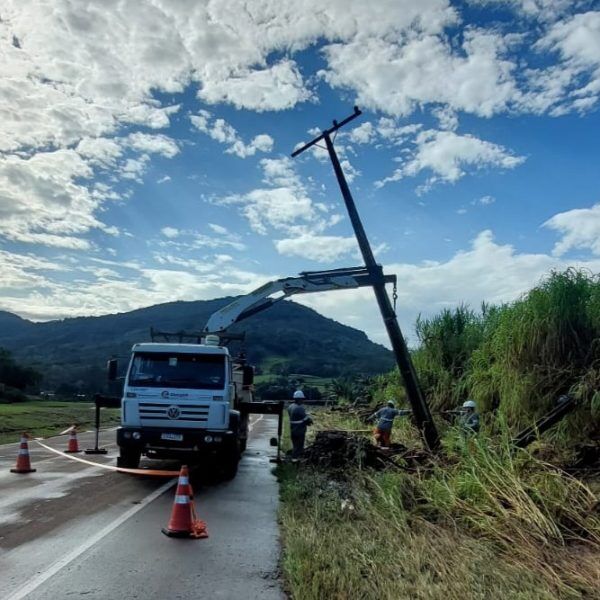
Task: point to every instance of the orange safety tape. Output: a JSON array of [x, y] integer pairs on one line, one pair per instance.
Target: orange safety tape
[[152, 472]]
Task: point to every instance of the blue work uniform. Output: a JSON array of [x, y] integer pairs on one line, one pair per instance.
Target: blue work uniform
[[299, 421], [470, 422], [386, 416]]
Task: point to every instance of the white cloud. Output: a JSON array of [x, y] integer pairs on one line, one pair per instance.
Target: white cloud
[[22, 271], [321, 248], [218, 229], [350, 172], [284, 206], [575, 84], [396, 76], [189, 239], [260, 143], [389, 130], [85, 71], [170, 232], [487, 271], [31, 290], [277, 87], [44, 198], [188, 263], [579, 227], [221, 131], [77, 77], [280, 172], [78, 72], [544, 10], [224, 133], [281, 208], [101, 152], [153, 144], [363, 134], [447, 154], [446, 117], [134, 168], [484, 201], [163, 179]]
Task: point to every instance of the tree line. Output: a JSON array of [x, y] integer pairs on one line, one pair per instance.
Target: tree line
[[15, 378]]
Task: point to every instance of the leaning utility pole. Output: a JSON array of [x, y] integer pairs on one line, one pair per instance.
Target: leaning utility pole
[[411, 383]]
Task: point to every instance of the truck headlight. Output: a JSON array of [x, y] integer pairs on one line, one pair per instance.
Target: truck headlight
[[136, 435], [208, 439], [127, 435], [218, 438]]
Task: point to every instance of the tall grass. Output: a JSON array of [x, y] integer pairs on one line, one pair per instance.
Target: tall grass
[[516, 359], [484, 520], [484, 523], [447, 342], [542, 346]]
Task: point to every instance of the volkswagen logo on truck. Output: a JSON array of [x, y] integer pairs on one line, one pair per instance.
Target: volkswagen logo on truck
[[173, 412]]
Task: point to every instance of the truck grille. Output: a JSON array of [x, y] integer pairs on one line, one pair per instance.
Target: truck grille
[[156, 411]]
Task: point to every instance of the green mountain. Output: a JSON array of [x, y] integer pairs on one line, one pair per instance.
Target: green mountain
[[287, 338]]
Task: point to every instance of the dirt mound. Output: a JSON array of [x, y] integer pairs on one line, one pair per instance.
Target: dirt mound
[[341, 450]]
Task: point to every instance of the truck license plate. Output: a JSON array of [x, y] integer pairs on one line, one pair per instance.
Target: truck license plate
[[176, 437]]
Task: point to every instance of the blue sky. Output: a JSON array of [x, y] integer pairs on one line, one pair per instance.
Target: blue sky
[[145, 149]]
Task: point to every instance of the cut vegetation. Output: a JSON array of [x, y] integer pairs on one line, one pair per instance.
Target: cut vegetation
[[477, 525]]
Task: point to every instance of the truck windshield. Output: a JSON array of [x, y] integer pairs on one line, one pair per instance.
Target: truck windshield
[[196, 371]]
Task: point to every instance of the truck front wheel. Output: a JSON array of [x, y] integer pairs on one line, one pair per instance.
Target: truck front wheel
[[230, 462], [128, 458]]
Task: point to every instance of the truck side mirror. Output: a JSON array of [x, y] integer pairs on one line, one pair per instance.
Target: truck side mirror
[[111, 369]]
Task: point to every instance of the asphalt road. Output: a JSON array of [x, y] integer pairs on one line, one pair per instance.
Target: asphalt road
[[73, 530]]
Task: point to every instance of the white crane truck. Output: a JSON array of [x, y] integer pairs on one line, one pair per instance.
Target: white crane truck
[[184, 400]]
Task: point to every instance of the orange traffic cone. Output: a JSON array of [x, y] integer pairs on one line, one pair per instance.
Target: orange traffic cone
[[23, 465], [73, 446], [184, 523]]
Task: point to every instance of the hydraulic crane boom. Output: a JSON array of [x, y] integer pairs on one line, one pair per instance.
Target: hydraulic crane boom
[[311, 281]]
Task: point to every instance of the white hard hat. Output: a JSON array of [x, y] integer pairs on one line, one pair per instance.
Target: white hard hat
[[390, 403], [298, 394], [469, 404]]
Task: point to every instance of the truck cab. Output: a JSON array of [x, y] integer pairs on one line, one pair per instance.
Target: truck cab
[[183, 401]]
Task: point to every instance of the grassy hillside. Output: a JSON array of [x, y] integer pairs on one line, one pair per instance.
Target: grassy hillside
[[286, 338], [45, 418]]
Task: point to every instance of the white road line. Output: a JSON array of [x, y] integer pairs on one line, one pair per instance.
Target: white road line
[[63, 562], [251, 425], [16, 444], [39, 461]]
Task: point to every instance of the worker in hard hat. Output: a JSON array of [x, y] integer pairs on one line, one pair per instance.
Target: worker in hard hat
[[385, 421], [299, 421], [469, 417]]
